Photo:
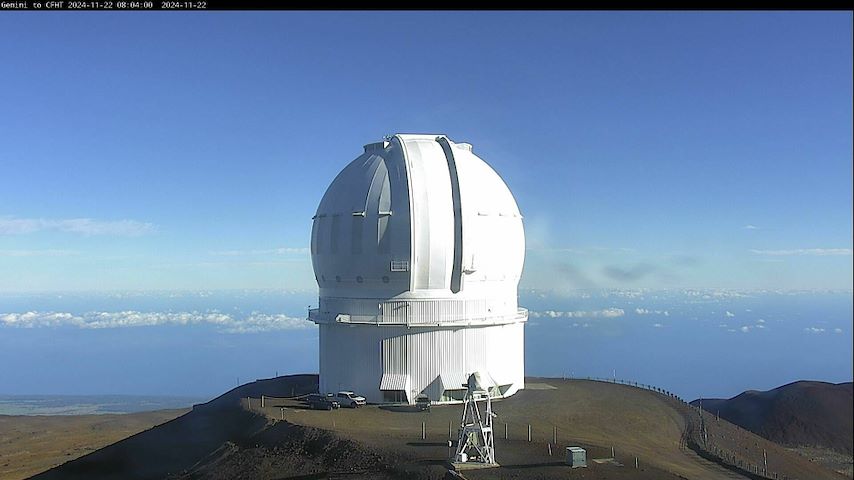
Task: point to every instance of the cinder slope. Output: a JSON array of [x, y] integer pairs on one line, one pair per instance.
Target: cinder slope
[[179, 444], [805, 413], [33, 444]]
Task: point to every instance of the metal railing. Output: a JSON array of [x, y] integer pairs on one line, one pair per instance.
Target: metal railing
[[420, 320]]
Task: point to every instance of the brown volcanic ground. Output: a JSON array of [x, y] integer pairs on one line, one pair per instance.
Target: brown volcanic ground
[[816, 418], [799, 414], [33, 444], [234, 437]]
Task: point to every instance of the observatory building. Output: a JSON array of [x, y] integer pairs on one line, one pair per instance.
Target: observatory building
[[417, 247]]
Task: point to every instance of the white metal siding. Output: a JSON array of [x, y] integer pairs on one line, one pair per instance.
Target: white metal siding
[[355, 357]]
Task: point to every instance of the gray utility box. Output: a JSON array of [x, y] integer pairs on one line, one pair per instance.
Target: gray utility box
[[576, 457]]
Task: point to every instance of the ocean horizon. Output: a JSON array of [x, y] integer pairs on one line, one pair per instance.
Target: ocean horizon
[[30, 405], [153, 346]]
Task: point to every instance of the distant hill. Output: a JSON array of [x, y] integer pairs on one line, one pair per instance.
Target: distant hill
[[804, 413]]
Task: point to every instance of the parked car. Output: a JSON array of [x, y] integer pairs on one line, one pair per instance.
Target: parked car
[[350, 399], [321, 402], [422, 402]]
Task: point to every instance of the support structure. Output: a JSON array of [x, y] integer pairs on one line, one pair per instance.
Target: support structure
[[475, 444]]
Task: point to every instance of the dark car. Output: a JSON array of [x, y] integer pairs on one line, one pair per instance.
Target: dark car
[[422, 402], [321, 402]]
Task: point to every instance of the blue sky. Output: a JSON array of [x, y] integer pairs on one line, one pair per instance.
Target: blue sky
[[646, 150]]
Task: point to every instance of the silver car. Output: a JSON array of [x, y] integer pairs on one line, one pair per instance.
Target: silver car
[[350, 399]]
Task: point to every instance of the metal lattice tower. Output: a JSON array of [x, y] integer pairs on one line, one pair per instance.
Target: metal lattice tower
[[475, 443]]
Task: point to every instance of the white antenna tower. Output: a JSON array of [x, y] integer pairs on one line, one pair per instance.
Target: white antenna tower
[[475, 443]]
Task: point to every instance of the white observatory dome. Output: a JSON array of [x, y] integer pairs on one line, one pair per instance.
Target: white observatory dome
[[417, 232], [418, 214]]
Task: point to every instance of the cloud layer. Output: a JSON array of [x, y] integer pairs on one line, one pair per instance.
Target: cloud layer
[[270, 251], [605, 313], [37, 253], [646, 311], [255, 322], [804, 251], [80, 226]]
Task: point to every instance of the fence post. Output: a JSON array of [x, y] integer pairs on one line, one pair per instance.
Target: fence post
[[554, 435], [423, 431], [765, 461], [505, 430], [529, 432]]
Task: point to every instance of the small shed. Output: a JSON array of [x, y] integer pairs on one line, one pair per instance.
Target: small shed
[[576, 457]]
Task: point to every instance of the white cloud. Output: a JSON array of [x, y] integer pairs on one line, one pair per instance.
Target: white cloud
[[81, 226], [814, 330], [760, 321], [14, 226], [637, 293], [646, 311], [729, 314], [657, 325], [582, 250], [837, 330], [258, 322], [750, 227], [745, 329], [269, 251], [255, 322], [804, 251], [604, 313], [37, 253], [714, 294]]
